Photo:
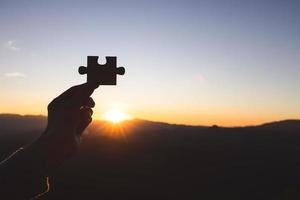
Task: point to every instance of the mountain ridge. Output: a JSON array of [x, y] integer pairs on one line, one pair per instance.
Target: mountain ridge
[[20, 122]]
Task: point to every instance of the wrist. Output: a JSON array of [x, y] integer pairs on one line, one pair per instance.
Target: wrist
[[56, 147]]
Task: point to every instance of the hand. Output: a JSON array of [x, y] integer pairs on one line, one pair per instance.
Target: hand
[[26, 170], [68, 115]]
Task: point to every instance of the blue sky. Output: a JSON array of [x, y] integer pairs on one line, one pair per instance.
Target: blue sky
[[224, 62]]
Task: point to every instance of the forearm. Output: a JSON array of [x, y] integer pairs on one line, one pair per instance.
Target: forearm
[[23, 175]]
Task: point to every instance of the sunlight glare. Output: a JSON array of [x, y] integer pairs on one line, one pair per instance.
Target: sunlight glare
[[116, 116]]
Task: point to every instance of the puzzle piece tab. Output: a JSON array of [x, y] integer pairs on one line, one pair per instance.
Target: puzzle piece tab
[[102, 74]]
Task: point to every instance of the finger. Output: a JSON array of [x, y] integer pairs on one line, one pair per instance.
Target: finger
[[89, 103], [85, 118], [62, 98], [82, 95], [69, 93]]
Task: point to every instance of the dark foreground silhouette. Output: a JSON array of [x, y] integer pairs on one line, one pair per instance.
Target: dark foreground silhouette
[[25, 173], [151, 160]]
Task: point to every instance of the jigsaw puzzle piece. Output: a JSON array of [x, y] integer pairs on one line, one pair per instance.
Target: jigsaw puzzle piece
[[102, 74]]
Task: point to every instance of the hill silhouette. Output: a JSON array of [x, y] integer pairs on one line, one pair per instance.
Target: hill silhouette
[[152, 160]]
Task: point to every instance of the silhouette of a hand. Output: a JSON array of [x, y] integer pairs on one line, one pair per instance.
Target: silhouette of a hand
[[68, 115], [26, 171]]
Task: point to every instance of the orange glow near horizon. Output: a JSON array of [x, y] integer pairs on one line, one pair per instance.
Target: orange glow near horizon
[[118, 112], [116, 117]]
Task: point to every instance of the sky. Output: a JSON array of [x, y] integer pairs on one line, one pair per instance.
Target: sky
[[225, 62]]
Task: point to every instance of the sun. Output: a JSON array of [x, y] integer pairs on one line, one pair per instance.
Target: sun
[[116, 116]]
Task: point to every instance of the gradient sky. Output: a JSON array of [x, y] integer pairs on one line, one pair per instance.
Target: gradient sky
[[226, 62]]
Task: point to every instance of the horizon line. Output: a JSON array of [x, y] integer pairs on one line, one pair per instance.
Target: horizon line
[[178, 124]]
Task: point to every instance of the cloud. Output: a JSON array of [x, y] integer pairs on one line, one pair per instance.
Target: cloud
[[14, 75], [11, 45]]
